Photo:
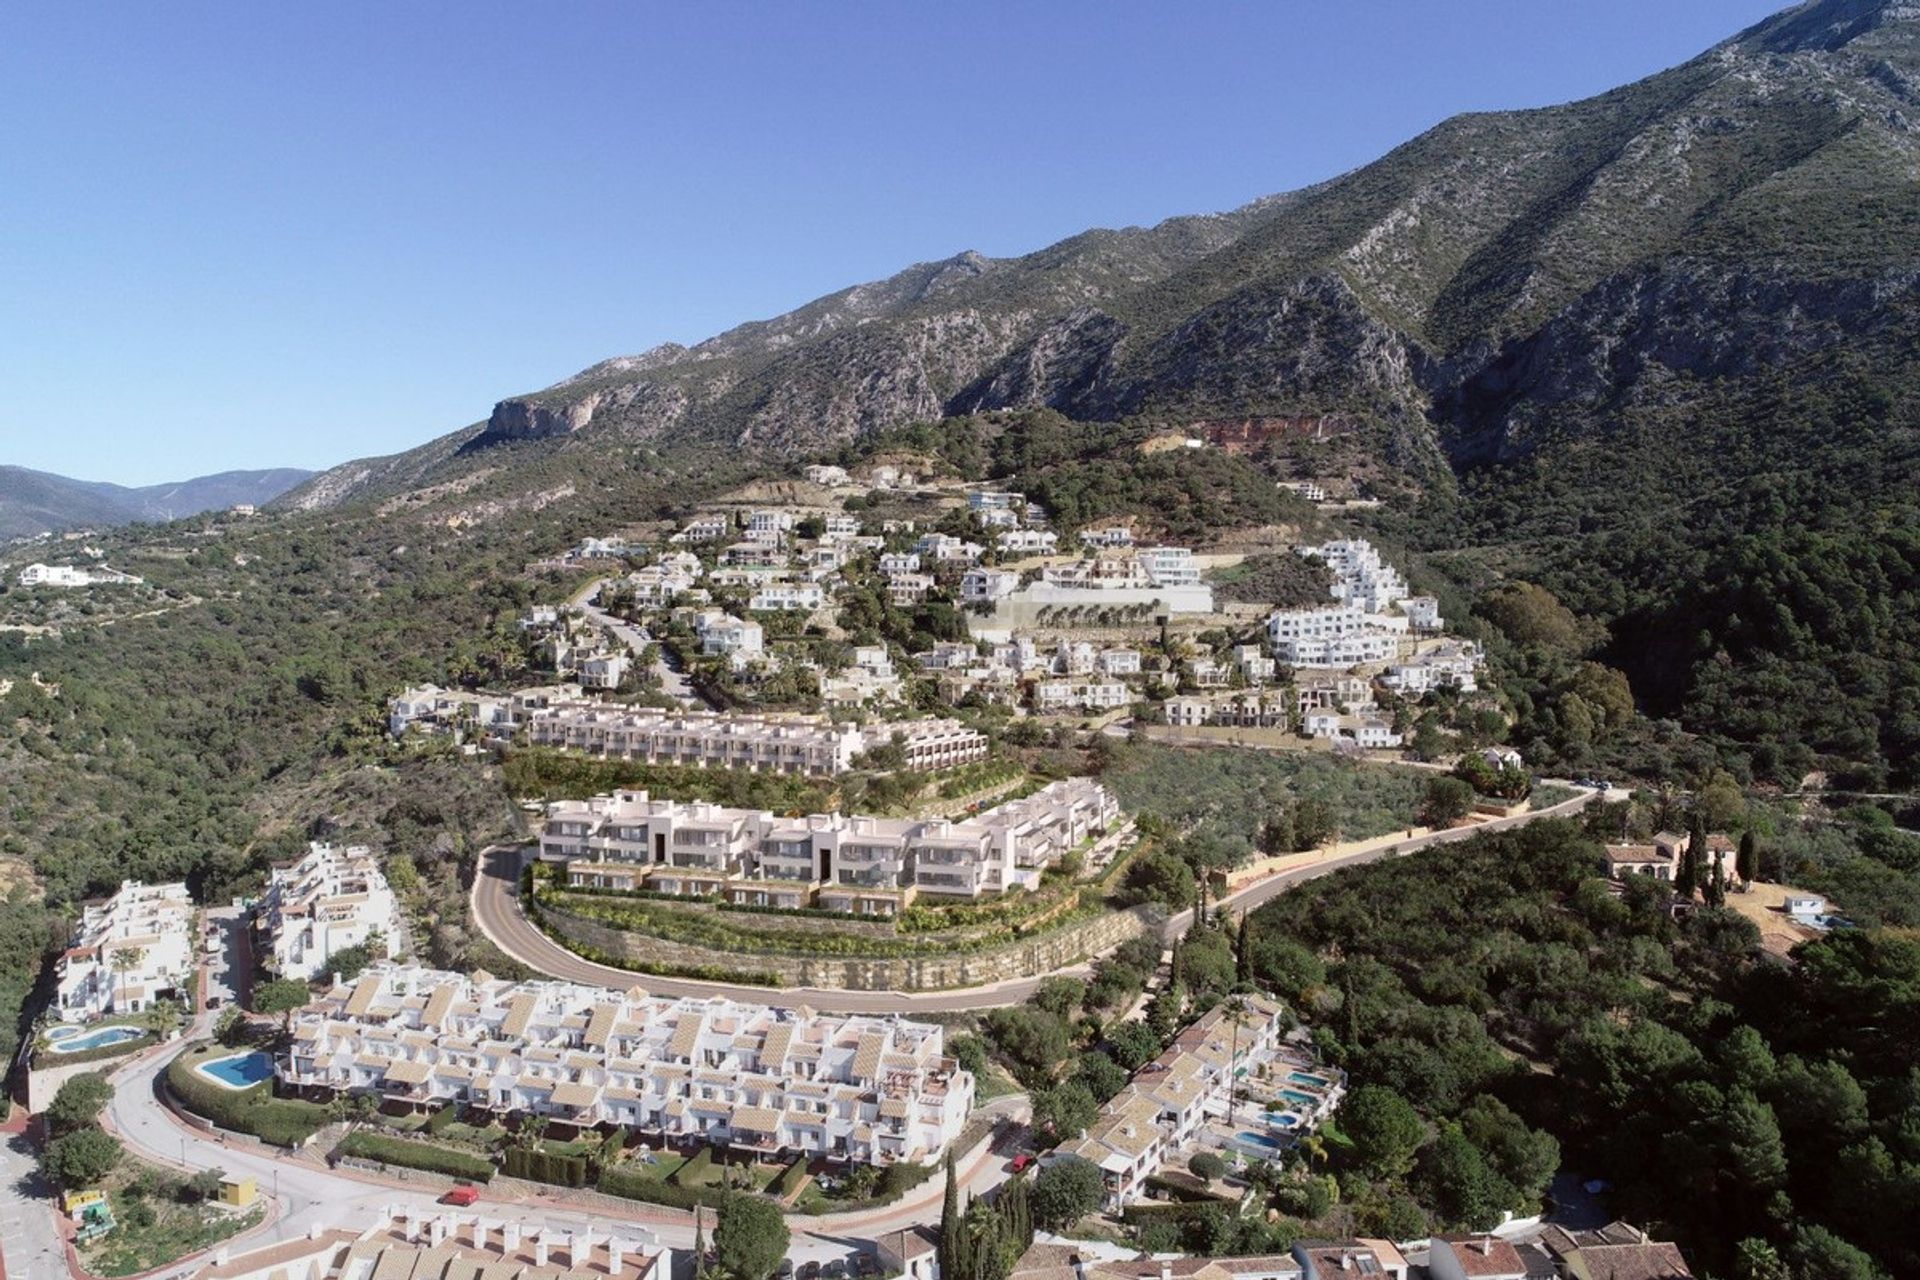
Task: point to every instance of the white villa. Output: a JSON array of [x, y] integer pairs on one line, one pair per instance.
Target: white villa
[[330, 899], [869, 866], [63, 575], [860, 1089], [126, 953]]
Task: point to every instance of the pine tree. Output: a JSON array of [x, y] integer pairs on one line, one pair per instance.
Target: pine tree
[[1747, 862]]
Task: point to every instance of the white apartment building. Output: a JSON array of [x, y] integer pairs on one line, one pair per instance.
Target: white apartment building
[[769, 526], [992, 500], [1454, 663], [773, 597], [1118, 662], [1254, 663], [871, 866], [1338, 652], [657, 585], [603, 671], [1169, 1101], [1367, 731], [1423, 612], [997, 518], [900, 562], [839, 524], [322, 903], [1027, 542], [859, 1089], [723, 635], [1311, 490], [1054, 696], [985, 586], [709, 528], [1208, 674], [945, 547], [1250, 709], [1113, 535], [1360, 576], [1169, 566], [64, 575], [126, 953], [908, 588], [796, 744], [1337, 690], [452, 1246], [830, 476]]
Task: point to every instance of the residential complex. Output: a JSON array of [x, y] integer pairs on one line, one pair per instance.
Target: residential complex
[[322, 903], [443, 1246], [1230, 1083], [129, 951], [62, 575], [870, 866], [794, 744], [862, 1089]]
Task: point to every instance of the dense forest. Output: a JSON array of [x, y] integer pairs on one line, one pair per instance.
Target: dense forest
[[1762, 1112]]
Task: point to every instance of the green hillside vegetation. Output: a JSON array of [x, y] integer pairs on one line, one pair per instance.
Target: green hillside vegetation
[[1727, 1097]]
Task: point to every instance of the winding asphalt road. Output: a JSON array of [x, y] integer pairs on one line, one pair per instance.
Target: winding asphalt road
[[496, 909]]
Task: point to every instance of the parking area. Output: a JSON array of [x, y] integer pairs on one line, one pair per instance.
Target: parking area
[[227, 952]]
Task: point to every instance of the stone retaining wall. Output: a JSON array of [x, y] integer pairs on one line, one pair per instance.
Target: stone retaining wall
[[1024, 958]]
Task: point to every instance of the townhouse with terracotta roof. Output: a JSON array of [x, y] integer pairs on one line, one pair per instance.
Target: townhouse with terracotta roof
[[127, 952], [1479, 1256], [848, 1087], [329, 899], [796, 744], [628, 840], [1358, 1259], [409, 1245]]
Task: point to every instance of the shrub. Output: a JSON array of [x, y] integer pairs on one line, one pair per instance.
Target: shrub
[[536, 1165], [1207, 1166], [630, 1184], [417, 1155], [285, 1122], [79, 1103], [441, 1120]]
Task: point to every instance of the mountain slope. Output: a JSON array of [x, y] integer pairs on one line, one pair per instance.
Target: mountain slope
[[34, 502], [1451, 296]]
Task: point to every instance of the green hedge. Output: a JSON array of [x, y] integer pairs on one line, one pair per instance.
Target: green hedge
[[417, 1155], [782, 1187], [286, 1122], [444, 1118], [47, 1059], [1148, 1211], [545, 1166], [631, 1185]]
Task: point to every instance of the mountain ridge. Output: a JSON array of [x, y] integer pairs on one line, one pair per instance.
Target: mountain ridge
[[34, 502], [1402, 293]]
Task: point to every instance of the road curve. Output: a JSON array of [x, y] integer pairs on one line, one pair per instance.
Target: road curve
[[496, 909]]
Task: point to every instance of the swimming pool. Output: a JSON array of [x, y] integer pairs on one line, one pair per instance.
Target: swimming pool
[[241, 1071], [1285, 1120], [79, 1039], [1303, 1099], [1258, 1140], [1308, 1078]]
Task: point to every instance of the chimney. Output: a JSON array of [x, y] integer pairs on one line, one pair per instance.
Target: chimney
[[413, 1224], [616, 1256], [1166, 1269], [1486, 1246], [510, 1238], [1346, 1262], [436, 1232], [540, 1250], [480, 1229], [315, 1231]]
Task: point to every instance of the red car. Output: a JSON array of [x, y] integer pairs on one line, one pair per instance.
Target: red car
[[462, 1196], [1022, 1162]]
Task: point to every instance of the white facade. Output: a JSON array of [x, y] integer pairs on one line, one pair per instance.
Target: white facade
[[322, 903], [1080, 695], [603, 671], [855, 1088], [984, 586], [1027, 542], [774, 597], [628, 840], [765, 743], [63, 575], [127, 952], [1170, 566], [722, 634]]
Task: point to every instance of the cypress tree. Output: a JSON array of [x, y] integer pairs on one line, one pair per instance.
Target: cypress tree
[[1717, 883], [1747, 862], [953, 1250], [1243, 950], [699, 1245]]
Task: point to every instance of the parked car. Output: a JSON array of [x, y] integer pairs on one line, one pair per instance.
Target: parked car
[[809, 1271], [462, 1195], [1023, 1162], [836, 1269]]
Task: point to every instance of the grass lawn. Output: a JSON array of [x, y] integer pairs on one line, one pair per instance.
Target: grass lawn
[[993, 1083], [708, 1172], [157, 1222]]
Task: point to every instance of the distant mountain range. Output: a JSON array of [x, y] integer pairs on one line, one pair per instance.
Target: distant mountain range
[[36, 501], [1504, 276]]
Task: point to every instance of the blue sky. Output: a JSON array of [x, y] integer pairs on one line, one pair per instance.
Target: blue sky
[[257, 235]]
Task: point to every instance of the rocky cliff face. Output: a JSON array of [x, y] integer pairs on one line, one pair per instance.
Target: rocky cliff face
[[1502, 275]]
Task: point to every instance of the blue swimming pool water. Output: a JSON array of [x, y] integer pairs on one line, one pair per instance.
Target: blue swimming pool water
[[1260, 1140], [1284, 1121], [1304, 1099], [78, 1039], [240, 1071], [1307, 1078]]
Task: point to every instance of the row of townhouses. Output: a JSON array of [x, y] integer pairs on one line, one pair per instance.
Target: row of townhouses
[[796, 744], [331, 898], [871, 866], [860, 1089], [406, 1244], [127, 952], [1168, 1103]]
